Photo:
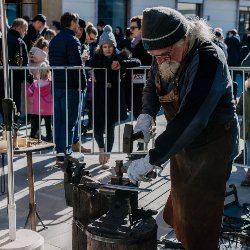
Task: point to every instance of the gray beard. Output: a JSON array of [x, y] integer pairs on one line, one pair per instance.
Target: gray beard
[[168, 70]]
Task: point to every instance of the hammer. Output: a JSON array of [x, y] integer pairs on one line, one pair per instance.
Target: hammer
[[129, 137]]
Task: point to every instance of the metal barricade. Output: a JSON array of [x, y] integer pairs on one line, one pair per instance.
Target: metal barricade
[[238, 74]]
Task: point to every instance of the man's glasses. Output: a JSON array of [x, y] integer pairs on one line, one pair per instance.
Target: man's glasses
[[166, 55], [133, 27]]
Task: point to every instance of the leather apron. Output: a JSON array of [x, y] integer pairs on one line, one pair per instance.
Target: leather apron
[[198, 179]]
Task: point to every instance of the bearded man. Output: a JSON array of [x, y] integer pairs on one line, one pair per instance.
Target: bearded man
[[189, 78]]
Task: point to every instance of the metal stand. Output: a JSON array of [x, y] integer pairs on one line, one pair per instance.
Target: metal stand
[[30, 216]]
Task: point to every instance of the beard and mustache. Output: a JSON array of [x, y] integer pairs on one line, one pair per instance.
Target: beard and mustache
[[168, 70]]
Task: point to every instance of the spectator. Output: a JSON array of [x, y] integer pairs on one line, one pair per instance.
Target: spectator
[[56, 26], [38, 56], [128, 38], [233, 48], [244, 38], [139, 52], [107, 58], [189, 78], [18, 56], [40, 91], [245, 50], [100, 25], [49, 34], [31, 35], [246, 133], [81, 34], [119, 37], [89, 48], [65, 50], [39, 23], [219, 40]]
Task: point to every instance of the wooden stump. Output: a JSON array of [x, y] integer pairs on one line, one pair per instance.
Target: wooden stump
[[88, 205], [143, 236]]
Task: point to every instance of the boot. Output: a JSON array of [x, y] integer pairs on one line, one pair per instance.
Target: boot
[[246, 181], [77, 147], [103, 158]]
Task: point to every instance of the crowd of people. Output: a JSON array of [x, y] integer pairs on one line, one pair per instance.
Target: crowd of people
[[189, 78], [75, 42]]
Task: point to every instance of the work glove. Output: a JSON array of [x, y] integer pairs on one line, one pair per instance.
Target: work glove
[[138, 169], [144, 124]]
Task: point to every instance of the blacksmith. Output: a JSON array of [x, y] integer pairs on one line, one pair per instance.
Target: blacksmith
[[191, 81]]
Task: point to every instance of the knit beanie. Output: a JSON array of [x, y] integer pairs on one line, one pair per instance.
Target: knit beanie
[[162, 27], [107, 37]]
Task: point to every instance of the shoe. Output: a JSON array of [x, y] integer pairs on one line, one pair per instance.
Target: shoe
[[59, 164], [77, 146], [45, 138], [246, 182], [103, 159]]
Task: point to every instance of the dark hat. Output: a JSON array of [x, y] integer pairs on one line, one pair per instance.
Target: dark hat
[[100, 23], [107, 37], [162, 27], [82, 23], [39, 17]]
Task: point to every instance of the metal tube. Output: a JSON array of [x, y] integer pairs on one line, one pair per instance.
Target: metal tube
[[106, 109], [67, 114], [119, 109], [11, 204], [5, 50]]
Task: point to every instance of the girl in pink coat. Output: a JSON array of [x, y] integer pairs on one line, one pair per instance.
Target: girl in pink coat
[[40, 90], [42, 103]]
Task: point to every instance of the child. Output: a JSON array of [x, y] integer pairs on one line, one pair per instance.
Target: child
[[107, 58], [40, 90], [38, 57]]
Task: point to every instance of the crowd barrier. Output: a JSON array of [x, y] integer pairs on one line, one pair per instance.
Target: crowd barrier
[[238, 74]]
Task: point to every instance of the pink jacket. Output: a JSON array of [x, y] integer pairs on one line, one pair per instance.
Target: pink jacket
[[41, 88]]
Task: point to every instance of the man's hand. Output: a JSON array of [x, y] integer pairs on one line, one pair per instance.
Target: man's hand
[[144, 124], [138, 169]]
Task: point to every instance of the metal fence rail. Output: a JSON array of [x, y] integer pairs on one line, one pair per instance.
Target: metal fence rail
[[239, 75]]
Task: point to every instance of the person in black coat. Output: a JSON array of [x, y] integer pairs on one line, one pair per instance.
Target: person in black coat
[[111, 62], [18, 56], [39, 23], [139, 52], [119, 37]]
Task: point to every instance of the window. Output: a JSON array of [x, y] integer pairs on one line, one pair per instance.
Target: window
[[189, 9], [113, 12], [244, 20], [19, 8]]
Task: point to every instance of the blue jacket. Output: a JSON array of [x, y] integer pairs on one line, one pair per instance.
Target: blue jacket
[[65, 50]]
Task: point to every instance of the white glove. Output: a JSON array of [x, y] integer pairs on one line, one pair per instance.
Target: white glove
[[144, 124], [138, 169]]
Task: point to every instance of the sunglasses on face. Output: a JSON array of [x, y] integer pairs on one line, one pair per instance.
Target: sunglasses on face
[[133, 27]]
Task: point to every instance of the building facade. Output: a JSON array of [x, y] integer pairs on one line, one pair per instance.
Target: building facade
[[226, 14]]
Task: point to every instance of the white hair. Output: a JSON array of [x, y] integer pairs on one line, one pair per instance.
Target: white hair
[[199, 29]]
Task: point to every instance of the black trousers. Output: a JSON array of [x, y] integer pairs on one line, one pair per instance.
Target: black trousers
[[35, 126], [99, 131]]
